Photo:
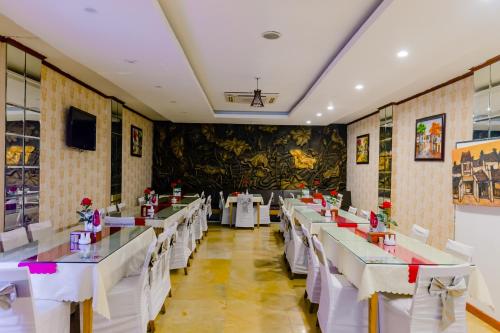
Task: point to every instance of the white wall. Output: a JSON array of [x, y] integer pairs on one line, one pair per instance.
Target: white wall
[[479, 226]]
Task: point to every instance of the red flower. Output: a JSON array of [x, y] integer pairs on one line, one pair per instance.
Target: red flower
[[147, 190], [179, 181], [301, 185], [386, 205], [333, 193], [86, 202], [173, 184]]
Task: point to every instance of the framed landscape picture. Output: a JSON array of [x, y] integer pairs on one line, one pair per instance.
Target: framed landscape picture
[[363, 149], [136, 141], [430, 138]]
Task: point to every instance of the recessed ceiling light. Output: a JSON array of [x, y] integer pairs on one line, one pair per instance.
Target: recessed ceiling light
[[158, 87], [359, 87], [90, 10], [271, 35], [173, 102], [319, 114], [402, 54], [308, 122], [330, 107], [130, 61]]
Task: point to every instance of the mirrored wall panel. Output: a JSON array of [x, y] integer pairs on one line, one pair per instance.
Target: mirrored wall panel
[[487, 102]]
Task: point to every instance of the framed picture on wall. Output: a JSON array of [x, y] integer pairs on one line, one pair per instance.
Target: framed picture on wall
[[430, 138], [136, 141], [363, 149]]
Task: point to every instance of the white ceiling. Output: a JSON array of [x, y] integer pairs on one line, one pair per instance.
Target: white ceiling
[[196, 50]]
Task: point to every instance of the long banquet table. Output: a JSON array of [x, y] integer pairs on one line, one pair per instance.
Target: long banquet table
[[374, 268], [63, 271], [232, 199], [313, 221]]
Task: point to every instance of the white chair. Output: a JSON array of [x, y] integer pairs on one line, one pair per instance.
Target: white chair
[[353, 210], [459, 250], [340, 198], [199, 215], [14, 238], [292, 195], [424, 311], [159, 273], [111, 209], [179, 256], [121, 205], [21, 313], [207, 213], [287, 227], [339, 309], [244, 211], [296, 250], [313, 281], [282, 214], [365, 214], [111, 221], [39, 230], [419, 233], [265, 217], [128, 302], [224, 219]]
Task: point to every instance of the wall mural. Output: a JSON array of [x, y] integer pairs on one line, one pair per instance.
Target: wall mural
[[231, 157]]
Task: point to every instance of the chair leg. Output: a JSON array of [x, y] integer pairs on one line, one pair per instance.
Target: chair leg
[[191, 255], [311, 307], [189, 264], [170, 293], [151, 326], [185, 271], [305, 294], [163, 310], [292, 276]]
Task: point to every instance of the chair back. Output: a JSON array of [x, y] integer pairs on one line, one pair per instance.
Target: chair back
[[459, 250], [419, 233], [270, 199], [208, 206], [39, 230], [140, 201], [365, 214], [282, 202], [313, 258], [147, 258], [202, 194], [435, 288], [111, 209], [111, 221], [244, 210], [121, 205], [221, 201], [353, 210], [17, 312], [292, 195], [14, 238]]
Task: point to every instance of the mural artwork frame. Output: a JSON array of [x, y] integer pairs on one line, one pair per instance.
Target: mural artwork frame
[[363, 149], [136, 137], [430, 138]]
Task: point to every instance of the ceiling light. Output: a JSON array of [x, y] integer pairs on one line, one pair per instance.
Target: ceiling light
[[330, 107], [308, 122], [158, 87], [271, 35], [173, 102], [257, 98], [90, 10], [402, 54], [130, 61], [319, 114], [359, 87]]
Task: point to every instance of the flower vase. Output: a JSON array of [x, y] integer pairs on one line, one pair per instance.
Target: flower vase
[[335, 213], [381, 227]]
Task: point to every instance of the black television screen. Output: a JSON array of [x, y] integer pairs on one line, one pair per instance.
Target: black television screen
[[80, 129]]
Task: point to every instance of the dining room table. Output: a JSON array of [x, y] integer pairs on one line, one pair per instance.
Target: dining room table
[[374, 267], [66, 271], [232, 199], [311, 218]]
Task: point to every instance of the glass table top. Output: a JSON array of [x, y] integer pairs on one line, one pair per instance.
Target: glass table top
[[406, 251], [315, 217], [57, 247], [161, 214]]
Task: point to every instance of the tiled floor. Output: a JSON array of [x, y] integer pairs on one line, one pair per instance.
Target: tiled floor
[[238, 282]]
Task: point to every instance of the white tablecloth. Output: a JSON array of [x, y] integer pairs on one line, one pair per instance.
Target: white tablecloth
[[233, 199], [77, 282], [391, 278]]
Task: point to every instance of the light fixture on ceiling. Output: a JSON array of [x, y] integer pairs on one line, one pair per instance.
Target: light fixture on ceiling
[[257, 98], [90, 10], [271, 35], [330, 107], [319, 114], [359, 87], [402, 54], [130, 61], [173, 102], [308, 122], [158, 87]]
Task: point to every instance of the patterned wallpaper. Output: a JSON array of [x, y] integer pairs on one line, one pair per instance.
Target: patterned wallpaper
[[67, 174], [362, 179], [136, 171], [421, 191], [208, 157]]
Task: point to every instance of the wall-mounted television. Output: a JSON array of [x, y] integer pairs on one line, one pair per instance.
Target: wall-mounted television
[[80, 129]]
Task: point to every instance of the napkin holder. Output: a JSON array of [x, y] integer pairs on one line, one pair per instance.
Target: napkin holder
[[373, 236]]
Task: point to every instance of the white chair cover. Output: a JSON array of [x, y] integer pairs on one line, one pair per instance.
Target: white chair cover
[[339, 309], [265, 211], [365, 214], [121, 205], [181, 250], [296, 250], [245, 211], [140, 201], [459, 250], [419, 233], [197, 223], [436, 286], [353, 210], [224, 220], [39, 230], [128, 302], [20, 313], [111, 209], [193, 228], [111, 221], [287, 227], [313, 281], [14, 238], [206, 212]]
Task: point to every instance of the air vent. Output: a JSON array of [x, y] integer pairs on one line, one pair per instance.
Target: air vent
[[247, 97]]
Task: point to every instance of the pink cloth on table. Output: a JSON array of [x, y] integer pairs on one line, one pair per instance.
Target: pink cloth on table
[[413, 269], [39, 267], [347, 225]]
